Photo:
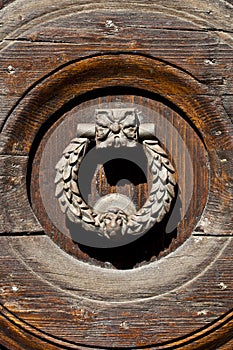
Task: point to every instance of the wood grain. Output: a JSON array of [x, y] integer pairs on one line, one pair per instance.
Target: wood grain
[[207, 56], [16, 215], [52, 56], [134, 323], [151, 75]]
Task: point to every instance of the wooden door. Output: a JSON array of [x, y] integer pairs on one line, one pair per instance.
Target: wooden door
[[116, 175]]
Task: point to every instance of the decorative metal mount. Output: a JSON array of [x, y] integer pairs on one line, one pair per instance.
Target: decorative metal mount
[[115, 214]]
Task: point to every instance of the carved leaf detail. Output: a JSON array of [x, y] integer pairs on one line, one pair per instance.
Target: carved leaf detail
[[72, 204], [162, 190], [67, 191]]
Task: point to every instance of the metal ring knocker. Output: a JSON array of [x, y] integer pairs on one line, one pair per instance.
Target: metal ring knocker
[[114, 212]]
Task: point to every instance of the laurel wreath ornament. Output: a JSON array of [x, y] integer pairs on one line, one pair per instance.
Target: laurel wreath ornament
[[161, 193], [77, 210]]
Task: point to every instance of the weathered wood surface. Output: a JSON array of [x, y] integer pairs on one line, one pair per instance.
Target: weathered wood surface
[[51, 300], [168, 31], [121, 312], [16, 215], [43, 103]]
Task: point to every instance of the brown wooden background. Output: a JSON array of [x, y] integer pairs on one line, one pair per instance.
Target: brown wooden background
[[52, 54]]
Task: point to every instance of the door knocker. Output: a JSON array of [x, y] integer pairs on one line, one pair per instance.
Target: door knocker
[[115, 213]]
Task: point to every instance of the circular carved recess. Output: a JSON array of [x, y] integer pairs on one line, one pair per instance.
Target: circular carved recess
[[52, 96], [126, 175], [183, 313]]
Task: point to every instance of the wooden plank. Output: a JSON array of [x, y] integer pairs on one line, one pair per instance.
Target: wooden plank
[[50, 300], [170, 37], [202, 54], [34, 289], [123, 286], [16, 215], [208, 15]]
